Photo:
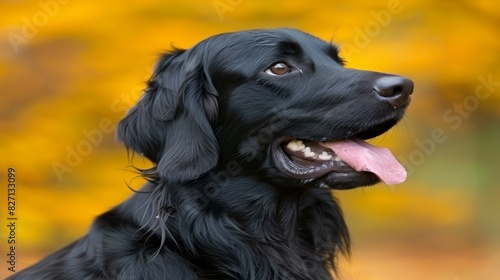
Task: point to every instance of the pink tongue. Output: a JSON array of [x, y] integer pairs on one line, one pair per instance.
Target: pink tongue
[[365, 157]]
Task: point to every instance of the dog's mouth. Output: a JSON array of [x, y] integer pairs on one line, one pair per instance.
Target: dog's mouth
[[341, 164]]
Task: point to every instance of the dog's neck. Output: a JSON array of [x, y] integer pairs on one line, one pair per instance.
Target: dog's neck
[[283, 226]]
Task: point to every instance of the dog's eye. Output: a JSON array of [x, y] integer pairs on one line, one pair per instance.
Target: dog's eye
[[279, 69]]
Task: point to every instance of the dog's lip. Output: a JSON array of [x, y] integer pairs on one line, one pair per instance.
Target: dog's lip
[[307, 169], [327, 176], [298, 166]]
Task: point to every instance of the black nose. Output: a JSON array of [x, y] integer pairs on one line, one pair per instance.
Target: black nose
[[394, 89]]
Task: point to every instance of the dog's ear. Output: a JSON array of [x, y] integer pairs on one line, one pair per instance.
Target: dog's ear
[[172, 123]]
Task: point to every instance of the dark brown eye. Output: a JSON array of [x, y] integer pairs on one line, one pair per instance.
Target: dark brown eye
[[279, 69]]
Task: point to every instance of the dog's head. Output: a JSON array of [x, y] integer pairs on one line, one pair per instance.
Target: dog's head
[[274, 103]]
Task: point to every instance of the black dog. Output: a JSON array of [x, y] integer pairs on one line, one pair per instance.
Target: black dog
[[247, 131]]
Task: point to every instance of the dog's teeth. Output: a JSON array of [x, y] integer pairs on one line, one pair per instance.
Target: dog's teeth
[[324, 156], [339, 161], [295, 145], [308, 153]]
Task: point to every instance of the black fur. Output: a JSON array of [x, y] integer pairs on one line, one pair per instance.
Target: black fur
[[216, 206]]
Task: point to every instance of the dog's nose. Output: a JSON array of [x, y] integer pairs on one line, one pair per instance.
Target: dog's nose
[[394, 89]]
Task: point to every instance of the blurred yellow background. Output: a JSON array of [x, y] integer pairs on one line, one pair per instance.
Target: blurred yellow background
[[70, 69]]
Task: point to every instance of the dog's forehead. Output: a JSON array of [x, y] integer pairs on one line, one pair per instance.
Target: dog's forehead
[[254, 49], [267, 39]]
